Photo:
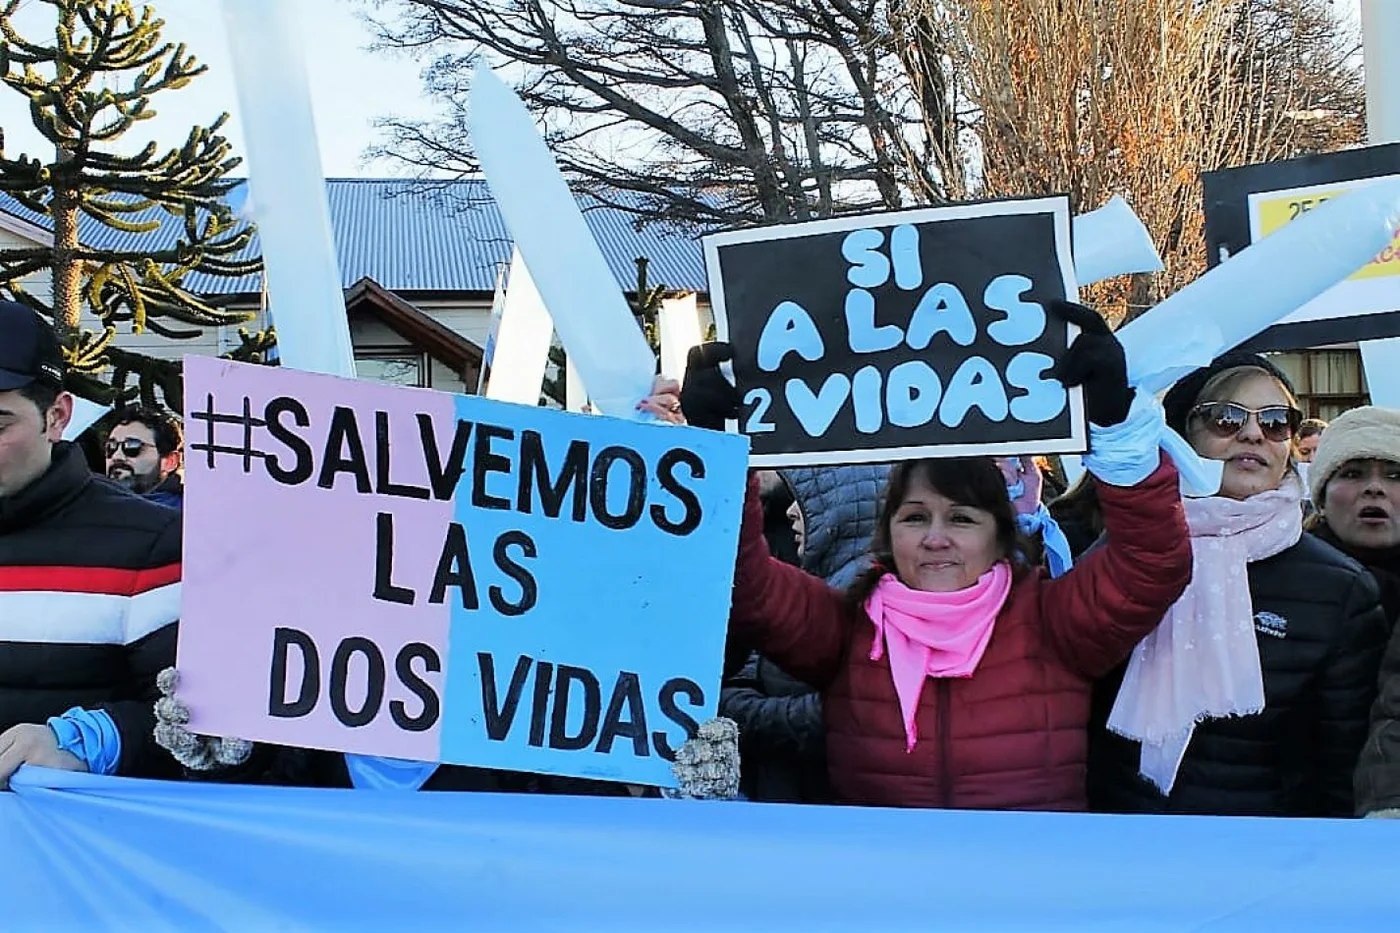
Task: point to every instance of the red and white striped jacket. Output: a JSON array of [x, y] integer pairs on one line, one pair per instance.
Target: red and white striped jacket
[[89, 601]]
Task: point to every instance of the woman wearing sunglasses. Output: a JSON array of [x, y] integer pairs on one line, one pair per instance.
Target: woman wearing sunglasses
[[1252, 696]]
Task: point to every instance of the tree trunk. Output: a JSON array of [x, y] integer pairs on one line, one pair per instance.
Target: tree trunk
[[67, 274], [67, 268]]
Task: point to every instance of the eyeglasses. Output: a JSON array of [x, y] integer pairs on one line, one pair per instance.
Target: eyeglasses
[[130, 447], [1226, 419]]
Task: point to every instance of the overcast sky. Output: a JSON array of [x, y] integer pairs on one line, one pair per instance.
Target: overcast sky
[[350, 86]]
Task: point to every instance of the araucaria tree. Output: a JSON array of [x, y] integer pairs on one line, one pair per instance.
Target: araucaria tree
[[89, 84]]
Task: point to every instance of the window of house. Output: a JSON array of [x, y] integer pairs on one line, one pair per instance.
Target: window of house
[[398, 368], [1328, 382]]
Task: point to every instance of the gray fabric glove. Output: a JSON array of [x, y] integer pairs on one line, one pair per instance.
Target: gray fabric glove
[[196, 752], [707, 766], [1389, 813]]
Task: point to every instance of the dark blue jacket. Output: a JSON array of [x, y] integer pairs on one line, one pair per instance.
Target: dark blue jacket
[[170, 492]]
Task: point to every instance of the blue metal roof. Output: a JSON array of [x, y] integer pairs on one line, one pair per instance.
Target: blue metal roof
[[425, 236]]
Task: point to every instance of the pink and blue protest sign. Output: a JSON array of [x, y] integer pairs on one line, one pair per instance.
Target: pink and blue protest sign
[[408, 573]]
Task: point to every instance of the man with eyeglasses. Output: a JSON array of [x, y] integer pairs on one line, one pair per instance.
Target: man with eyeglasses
[[89, 583], [145, 451]]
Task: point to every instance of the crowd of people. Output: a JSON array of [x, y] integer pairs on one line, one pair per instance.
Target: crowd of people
[[952, 633]]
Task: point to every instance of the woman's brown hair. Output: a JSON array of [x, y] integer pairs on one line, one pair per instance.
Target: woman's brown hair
[[969, 481]]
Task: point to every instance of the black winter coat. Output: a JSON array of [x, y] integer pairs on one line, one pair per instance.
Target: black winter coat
[[1378, 769], [1321, 632], [782, 739], [1383, 564], [89, 598]]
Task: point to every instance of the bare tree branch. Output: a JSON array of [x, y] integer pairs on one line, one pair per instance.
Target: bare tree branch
[[720, 112], [1095, 99]]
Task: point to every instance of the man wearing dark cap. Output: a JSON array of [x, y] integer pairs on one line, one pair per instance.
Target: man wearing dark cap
[[89, 582]]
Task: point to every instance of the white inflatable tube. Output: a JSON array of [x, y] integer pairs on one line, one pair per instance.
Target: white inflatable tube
[[1258, 287], [1112, 241], [288, 188], [581, 292]]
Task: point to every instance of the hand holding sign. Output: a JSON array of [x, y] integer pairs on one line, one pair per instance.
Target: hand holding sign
[[707, 765], [194, 751], [1095, 361], [664, 402], [708, 399], [901, 335]]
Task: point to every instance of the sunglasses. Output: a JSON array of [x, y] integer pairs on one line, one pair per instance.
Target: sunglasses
[[1226, 419], [130, 447]]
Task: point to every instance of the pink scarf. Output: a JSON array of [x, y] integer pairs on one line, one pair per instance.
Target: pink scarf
[[1202, 661], [933, 634]]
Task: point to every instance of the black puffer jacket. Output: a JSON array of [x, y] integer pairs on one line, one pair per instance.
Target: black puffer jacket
[[782, 738], [1384, 564], [1378, 769], [1321, 632]]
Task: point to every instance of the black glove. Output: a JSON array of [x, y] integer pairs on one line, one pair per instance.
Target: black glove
[[707, 398], [1095, 361]]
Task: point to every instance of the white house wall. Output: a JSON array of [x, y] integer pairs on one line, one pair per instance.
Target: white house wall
[[469, 318], [473, 319], [39, 284], [366, 333]]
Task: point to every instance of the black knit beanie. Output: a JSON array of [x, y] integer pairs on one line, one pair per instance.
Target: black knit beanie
[[1181, 397]]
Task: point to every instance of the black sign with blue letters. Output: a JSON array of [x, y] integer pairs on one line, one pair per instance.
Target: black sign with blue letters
[[909, 334]]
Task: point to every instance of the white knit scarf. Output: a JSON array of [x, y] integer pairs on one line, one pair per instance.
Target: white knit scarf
[[1202, 661]]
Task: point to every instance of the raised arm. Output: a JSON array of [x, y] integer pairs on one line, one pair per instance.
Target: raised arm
[[799, 622], [1119, 591], [1116, 595]]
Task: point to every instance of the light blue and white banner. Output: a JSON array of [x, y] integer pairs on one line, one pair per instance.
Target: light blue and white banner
[[89, 853]]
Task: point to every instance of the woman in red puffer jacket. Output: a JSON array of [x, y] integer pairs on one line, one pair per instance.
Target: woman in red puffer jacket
[[953, 674]]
